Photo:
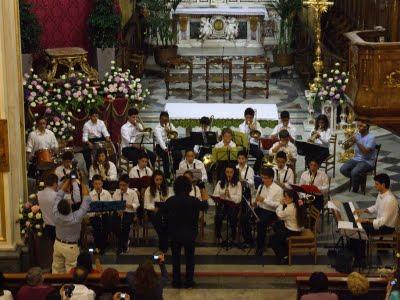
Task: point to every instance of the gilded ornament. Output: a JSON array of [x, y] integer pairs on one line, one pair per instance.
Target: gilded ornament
[[253, 23], [183, 21], [393, 79]]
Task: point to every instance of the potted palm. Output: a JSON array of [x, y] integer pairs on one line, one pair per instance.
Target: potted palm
[[30, 33], [287, 10], [160, 28], [104, 25]]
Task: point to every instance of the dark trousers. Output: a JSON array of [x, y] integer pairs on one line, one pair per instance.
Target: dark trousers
[[246, 224], [49, 232], [159, 225], [189, 247], [355, 170], [121, 228], [87, 152], [229, 212], [176, 159], [319, 155], [100, 225], [278, 240], [256, 152], [319, 202], [266, 217], [132, 154]]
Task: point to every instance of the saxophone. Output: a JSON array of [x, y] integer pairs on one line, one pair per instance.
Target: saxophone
[[227, 194]]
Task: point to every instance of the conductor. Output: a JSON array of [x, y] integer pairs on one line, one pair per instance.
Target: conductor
[[182, 212]]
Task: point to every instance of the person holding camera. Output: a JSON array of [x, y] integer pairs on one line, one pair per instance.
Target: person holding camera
[[68, 228], [78, 290]]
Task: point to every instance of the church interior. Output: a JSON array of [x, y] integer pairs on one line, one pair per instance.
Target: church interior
[[281, 117]]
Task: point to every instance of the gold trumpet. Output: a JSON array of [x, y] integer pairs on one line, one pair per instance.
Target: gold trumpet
[[144, 129], [254, 133], [171, 134], [313, 137], [348, 143], [268, 162], [208, 160]]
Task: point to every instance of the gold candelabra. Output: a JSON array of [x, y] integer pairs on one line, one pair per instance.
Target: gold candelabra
[[349, 131], [319, 6]]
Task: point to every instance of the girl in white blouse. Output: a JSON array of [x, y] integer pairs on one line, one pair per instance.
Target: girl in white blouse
[[291, 213], [228, 188], [154, 195], [103, 167], [322, 134]]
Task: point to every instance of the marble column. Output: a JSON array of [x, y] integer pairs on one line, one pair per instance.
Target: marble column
[[12, 182]]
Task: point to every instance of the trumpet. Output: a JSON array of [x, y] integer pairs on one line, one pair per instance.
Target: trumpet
[[171, 134], [254, 133], [144, 129], [348, 143], [313, 137], [268, 162]]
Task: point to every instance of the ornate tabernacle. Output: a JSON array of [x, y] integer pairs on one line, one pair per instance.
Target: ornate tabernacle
[[224, 28], [66, 60]]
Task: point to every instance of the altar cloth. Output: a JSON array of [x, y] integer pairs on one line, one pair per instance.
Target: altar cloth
[[235, 10]]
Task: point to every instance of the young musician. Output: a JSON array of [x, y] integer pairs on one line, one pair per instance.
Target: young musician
[[285, 145], [41, 138], [320, 136], [161, 135], [314, 176], [284, 176], [285, 124], [364, 158], [200, 151], [123, 227], [94, 130], [141, 169], [291, 213], [195, 192], [228, 188], [100, 223], [246, 173], [246, 127], [268, 198], [103, 167], [190, 163], [65, 168], [226, 141], [130, 148], [157, 193]]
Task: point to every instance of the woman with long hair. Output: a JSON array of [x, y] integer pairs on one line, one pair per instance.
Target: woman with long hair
[[291, 213], [103, 166], [154, 197], [320, 136]]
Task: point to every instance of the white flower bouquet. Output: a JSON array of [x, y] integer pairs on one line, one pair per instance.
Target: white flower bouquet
[[36, 90], [30, 217], [61, 125]]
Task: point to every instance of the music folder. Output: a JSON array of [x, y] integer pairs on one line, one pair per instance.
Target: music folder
[[225, 153], [140, 183], [306, 189], [107, 206], [223, 201], [198, 138], [307, 148]]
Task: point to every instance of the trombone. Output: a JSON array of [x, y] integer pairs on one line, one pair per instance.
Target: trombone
[[144, 129], [254, 133], [171, 134]]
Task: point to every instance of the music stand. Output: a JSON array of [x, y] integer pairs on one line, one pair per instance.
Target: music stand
[[304, 148], [181, 144], [309, 189], [139, 138], [240, 139]]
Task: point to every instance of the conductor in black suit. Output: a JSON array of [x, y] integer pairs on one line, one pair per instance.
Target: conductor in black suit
[[182, 213]]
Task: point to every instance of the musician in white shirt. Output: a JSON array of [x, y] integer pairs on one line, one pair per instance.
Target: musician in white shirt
[[198, 190], [100, 223], [41, 138], [103, 166], [205, 124], [124, 193], [190, 163], [268, 198], [63, 170], [154, 196], [246, 127], [284, 176], [314, 176], [162, 150], [246, 173], [229, 189], [141, 169], [131, 148], [320, 136], [292, 214], [226, 140], [285, 145], [285, 124]]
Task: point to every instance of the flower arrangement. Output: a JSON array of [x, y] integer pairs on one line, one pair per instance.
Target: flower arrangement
[[30, 217], [119, 84], [36, 90], [74, 93], [333, 86]]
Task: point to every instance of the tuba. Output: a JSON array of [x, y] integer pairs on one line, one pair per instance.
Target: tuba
[[171, 134], [254, 133]]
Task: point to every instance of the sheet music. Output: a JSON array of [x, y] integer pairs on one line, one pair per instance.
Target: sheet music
[[332, 206], [346, 227], [140, 137]]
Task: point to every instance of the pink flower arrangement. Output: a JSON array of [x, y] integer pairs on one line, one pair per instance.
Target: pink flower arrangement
[[333, 86], [36, 90]]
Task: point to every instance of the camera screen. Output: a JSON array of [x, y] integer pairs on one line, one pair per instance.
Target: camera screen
[[155, 257]]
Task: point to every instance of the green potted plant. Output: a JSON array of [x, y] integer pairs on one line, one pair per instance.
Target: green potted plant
[[287, 10], [104, 25], [30, 33], [160, 28]]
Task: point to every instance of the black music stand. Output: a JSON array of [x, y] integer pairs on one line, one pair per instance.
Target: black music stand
[[306, 148], [181, 144], [206, 139]]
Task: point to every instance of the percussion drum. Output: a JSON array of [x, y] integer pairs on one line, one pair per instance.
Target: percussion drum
[[109, 146], [44, 159]]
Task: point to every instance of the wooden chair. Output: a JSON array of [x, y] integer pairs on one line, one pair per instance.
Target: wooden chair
[[178, 71], [256, 70], [123, 163], [330, 162], [225, 77], [306, 242]]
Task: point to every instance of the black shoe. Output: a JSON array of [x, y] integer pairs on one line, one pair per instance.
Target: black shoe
[[119, 251], [190, 285], [176, 285]]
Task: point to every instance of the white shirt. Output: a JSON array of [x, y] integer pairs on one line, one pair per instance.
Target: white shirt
[[94, 130], [131, 198], [221, 144], [284, 175], [41, 140], [195, 192], [7, 295], [196, 164], [324, 138], [321, 180], [235, 192], [149, 200], [81, 292], [137, 172], [246, 129], [161, 135], [246, 174], [61, 171], [272, 196], [46, 199], [288, 216], [290, 128], [386, 209], [290, 150], [104, 195], [111, 175], [128, 133]]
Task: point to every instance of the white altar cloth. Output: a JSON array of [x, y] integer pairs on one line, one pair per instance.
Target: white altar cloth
[[219, 110], [237, 10]]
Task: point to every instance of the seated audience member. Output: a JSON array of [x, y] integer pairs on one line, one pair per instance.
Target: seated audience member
[[65, 168], [145, 283], [34, 287], [84, 260], [4, 294], [285, 145], [319, 288], [190, 163], [103, 166], [284, 175], [284, 124], [358, 286], [109, 281], [78, 290], [141, 169], [226, 141], [246, 173]]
